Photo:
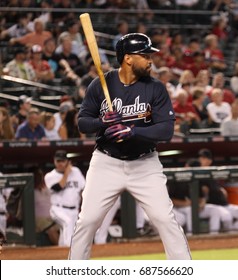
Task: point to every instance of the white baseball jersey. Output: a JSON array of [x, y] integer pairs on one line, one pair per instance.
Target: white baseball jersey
[[70, 195], [65, 203]]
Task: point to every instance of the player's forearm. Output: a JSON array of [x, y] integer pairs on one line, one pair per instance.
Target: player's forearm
[[89, 124], [158, 132]]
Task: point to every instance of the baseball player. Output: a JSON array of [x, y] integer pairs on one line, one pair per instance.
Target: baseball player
[[125, 156], [66, 183], [180, 195]]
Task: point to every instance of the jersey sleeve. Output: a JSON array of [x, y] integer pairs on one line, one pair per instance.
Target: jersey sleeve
[[92, 101], [162, 108], [51, 180], [88, 117]]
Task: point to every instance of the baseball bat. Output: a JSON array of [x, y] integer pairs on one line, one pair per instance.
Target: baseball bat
[[93, 48]]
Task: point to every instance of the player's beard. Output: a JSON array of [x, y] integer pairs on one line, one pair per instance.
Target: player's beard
[[141, 72]]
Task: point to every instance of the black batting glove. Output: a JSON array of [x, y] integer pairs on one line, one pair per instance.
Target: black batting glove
[[111, 118], [118, 133]]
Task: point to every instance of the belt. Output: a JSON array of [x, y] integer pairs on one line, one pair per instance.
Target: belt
[[2, 213], [66, 207], [131, 157]]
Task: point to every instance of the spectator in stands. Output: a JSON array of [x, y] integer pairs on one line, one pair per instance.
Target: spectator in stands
[[165, 76], [90, 74], [218, 81], [78, 47], [24, 106], [44, 73], [6, 128], [19, 67], [186, 116], [43, 220], [158, 61], [198, 104], [218, 110], [179, 64], [160, 37], [180, 195], [48, 123], [64, 107], [18, 29], [215, 192], [177, 42], [46, 14], [198, 63], [203, 81], [69, 126], [213, 54], [31, 129], [165, 54], [122, 29], [36, 37], [86, 79], [194, 45], [234, 80], [141, 27], [103, 57], [229, 126], [49, 54], [72, 59], [220, 29], [186, 82]]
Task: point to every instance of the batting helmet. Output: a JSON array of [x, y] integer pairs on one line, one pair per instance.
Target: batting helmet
[[136, 43]]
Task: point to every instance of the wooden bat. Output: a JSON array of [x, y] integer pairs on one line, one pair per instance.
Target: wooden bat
[[93, 48]]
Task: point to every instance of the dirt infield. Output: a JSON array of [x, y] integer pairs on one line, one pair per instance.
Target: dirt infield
[[133, 247]]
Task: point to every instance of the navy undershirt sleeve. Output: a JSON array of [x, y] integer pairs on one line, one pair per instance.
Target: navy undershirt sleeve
[[56, 187], [162, 131], [89, 124]]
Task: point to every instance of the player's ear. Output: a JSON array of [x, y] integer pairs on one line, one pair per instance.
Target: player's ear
[[128, 59]]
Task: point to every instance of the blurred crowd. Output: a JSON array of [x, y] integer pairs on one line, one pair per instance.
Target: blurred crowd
[[49, 48]]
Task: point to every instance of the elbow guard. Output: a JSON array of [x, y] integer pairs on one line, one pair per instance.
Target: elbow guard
[[56, 187]]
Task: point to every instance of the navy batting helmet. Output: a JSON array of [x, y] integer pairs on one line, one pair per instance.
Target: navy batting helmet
[[136, 43]]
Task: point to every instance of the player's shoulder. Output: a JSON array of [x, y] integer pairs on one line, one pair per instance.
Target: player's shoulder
[[112, 73], [51, 173], [108, 75], [75, 169], [152, 81]]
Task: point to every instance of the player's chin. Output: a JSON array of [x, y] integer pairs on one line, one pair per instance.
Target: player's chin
[[146, 72]]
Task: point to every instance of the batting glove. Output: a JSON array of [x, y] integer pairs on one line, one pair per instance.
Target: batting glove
[[118, 133], [111, 118]]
